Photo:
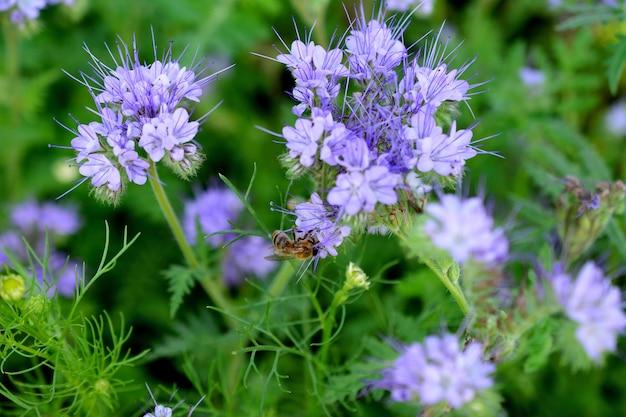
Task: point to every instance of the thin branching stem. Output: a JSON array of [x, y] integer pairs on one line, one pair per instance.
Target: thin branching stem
[[212, 288]]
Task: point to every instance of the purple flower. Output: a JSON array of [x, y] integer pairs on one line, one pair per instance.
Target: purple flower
[[532, 77], [615, 119], [87, 141], [437, 85], [374, 49], [102, 171], [63, 221], [135, 167], [60, 276], [247, 256], [164, 133], [438, 370], [303, 140], [40, 224], [382, 131], [343, 148], [143, 118], [10, 245], [360, 191], [319, 218], [30, 217], [211, 211], [160, 411], [424, 7], [465, 229], [595, 305]]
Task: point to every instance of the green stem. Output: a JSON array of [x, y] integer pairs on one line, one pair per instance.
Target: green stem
[[281, 280], [453, 288], [213, 289]]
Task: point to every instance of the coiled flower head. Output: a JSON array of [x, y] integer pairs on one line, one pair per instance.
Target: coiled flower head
[[368, 113], [438, 370], [595, 305], [144, 118]]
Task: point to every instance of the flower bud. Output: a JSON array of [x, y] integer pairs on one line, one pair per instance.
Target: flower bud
[[12, 287], [35, 305], [584, 214], [356, 278], [102, 387]]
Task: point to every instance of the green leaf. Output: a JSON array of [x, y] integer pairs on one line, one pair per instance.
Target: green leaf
[[539, 347], [616, 63], [181, 280]]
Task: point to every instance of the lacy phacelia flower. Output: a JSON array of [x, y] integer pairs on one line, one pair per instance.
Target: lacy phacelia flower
[[465, 229], [24, 10], [438, 370], [144, 119], [212, 213], [595, 305], [41, 225], [367, 122]]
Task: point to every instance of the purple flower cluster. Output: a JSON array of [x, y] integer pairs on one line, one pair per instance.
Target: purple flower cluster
[[595, 305], [41, 225], [23, 10], [464, 228], [211, 214], [367, 122], [143, 120], [438, 370]]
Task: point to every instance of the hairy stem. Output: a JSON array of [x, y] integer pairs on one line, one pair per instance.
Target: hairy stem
[[212, 288]]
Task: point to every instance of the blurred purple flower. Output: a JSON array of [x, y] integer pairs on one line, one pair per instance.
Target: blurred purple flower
[[595, 305], [247, 256], [532, 77], [160, 411], [465, 229], [211, 211], [438, 370], [30, 216], [615, 119], [424, 7], [10, 245], [40, 225]]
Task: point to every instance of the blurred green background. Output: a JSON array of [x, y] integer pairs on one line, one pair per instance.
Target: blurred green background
[[542, 132]]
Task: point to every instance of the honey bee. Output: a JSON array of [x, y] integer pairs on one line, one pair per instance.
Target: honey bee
[[300, 248]]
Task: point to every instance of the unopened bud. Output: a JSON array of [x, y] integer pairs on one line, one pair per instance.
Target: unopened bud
[[356, 278], [12, 287], [35, 305]]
